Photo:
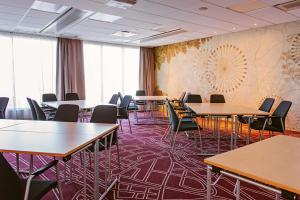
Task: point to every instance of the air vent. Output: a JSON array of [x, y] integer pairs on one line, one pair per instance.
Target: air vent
[[288, 6], [69, 18], [162, 35]]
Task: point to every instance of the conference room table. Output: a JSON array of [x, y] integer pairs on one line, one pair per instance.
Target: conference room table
[[219, 110], [60, 140], [272, 164], [149, 100], [83, 104]]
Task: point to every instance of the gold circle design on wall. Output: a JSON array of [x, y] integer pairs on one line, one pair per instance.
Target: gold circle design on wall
[[226, 68], [295, 49]]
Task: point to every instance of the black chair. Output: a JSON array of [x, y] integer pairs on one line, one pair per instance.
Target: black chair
[[114, 99], [123, 112], [217, 98], [183, 122], [192, 98], [71, 96], [33, 113], [38, 110], [106, 114], [67, 113], [139, 102], [3, 105], [275, 122], [49, 97], [120, 96], [15, 188]]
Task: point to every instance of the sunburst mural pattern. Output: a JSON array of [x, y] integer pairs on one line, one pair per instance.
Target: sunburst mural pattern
[[226, 68], [295, 49]]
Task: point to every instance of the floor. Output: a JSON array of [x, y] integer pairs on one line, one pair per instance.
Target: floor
[[149, 170]]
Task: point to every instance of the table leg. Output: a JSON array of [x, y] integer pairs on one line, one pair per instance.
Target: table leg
[[248, 134], [277, 196], [232, 132], [96, 170], [218, 132], [235, 130], [208, 194], [238, 189], [31, 164], [58, 183]]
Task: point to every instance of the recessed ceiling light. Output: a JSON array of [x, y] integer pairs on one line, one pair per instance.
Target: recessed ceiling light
[[124, 34], [104, 17], [247, 6], [48, 7], [215, 32], [255, 24], [203, 8], [123, 4], [233, 28]]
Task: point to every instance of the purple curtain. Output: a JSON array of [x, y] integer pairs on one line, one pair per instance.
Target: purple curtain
[[147, 70], [69, 68]]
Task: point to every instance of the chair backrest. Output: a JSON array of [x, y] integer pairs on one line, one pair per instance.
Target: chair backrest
[[104, 114], [217, 98], [267, 105], [33, 112], [67, 113], [49, 97], [3, 105], [182, 96], [140, 93], [174, 121], [38, 110], [192, 98], [72, 96], [126, 101], [281, 111], [10, 184], [114, 99]]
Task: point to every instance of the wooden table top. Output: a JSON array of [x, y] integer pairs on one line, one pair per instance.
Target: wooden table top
[[150, 98], [83, 104], [51, 138], [274, 161], [10, 122], [223, 109]]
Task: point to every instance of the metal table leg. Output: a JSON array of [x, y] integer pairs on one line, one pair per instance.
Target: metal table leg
[[208, 184], [96, 170]]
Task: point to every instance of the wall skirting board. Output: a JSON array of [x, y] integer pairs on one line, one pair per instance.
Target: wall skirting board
[[245, 66]]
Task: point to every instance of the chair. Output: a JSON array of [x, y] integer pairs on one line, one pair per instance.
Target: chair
[[275, 122], [187, 122], [217, 98], [123, 110], [114, 99], [140, 102], [38, 110], [192, 98], [72, 96], [106, 114], [120, 96], [33, 113], [3, 105], [49, 97], [15, 188], [67, 113]]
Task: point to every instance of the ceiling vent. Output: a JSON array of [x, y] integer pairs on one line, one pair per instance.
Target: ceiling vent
[[67, 19], [123, 4], [162, 35], [288, 6]]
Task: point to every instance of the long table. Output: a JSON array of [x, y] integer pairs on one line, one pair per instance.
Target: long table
[[58, 139], [83, 104], [148, 99], [225, 109], [273, 164]]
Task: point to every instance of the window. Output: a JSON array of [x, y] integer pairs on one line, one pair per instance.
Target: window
[[29, 65], [110, 69]]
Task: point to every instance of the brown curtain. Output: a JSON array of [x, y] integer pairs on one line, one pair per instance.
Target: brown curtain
[[147, 70], [69, 68]]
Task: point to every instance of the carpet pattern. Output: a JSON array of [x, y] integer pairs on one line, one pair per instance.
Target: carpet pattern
[[149, 170]]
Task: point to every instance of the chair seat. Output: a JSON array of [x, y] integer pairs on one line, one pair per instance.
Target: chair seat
[[188, 125], [38, 188], [258, 125]]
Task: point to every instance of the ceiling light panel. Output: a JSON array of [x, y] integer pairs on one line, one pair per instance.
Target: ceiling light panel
[[122, 4], [247, 6], [124, 34], [104, 17], [48, 7]]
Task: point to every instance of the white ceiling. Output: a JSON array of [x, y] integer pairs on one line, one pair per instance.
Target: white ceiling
[[145, 17]]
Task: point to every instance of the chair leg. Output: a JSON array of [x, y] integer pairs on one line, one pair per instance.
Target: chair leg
[[58, 183], [129, 125], [118, 152], [120, 122], [174, 140], [167, 131]]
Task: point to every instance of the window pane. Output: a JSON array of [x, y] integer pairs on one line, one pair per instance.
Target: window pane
[[112, 71], [131, 70], [92, 63]]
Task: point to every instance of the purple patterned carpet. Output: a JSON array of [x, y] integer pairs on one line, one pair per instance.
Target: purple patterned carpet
[[150, 171]]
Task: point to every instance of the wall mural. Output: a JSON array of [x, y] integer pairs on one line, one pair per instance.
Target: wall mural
[[245, 69]]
